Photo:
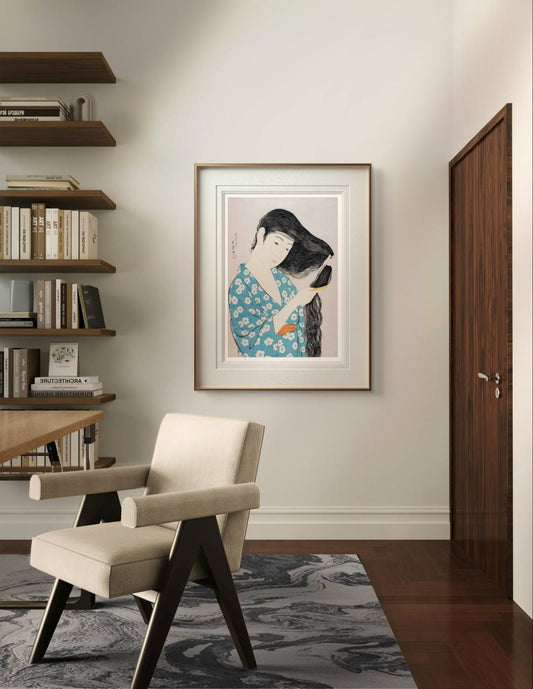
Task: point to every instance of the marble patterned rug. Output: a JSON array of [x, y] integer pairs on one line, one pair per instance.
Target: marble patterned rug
[[314, 622]]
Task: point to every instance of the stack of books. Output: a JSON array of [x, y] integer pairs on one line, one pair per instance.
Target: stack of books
[[33, 109], [67, 386], [47, 233], [19, 368], [43, 182], [18, 319]]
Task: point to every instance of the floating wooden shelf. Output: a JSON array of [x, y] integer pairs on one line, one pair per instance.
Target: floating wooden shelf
[[76, 200], [95, 265], [55, 68], [64, 332], [25, 473], [58, 401], [68, 133]]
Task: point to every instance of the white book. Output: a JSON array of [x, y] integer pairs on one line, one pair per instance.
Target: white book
[[67, 379], [91, 387], [15, 233], [48, 304], [25, 234], [51, 224], [67, 240], [7, 232], [88, 235], [75, 235], [75, 307], [57, 295]]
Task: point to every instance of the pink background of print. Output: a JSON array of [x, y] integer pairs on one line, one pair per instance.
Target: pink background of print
[[319, 215]]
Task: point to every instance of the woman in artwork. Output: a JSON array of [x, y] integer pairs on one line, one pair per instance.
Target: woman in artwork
[[269, 317]]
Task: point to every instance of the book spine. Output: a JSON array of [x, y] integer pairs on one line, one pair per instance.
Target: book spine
[[36, 118], [75, 235], [1, 232], [92, 238], [15, 373], [51, 241], [68, 235], [63, 304], [75, 307], [1, 373], [60, 234], [7, 386], [40, 304], [57, 293], [48, 304], [84, 323], [42, 178], [34, 230], [75, 449], [41, 235], [6, 114], [67, 379], [23, 388], [25, 234], [15, 233], [84, 235], [65, 393], [67, 386], [68, 305], [7, 232]]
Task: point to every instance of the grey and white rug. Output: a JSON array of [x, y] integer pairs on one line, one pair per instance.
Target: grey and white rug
[[314, 622]]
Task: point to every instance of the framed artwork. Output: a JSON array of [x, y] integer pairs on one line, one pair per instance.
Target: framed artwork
[[282, 277]]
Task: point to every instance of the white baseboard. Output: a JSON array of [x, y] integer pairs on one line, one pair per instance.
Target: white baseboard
[[298, 523], [349, 523]]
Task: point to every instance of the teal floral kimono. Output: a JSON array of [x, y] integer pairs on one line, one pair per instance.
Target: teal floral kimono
[[251, 312]]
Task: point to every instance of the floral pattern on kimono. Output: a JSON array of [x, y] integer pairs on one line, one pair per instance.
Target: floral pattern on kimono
[[251, 312]]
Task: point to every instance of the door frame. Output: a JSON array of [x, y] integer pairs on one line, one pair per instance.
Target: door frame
[[505, 116]]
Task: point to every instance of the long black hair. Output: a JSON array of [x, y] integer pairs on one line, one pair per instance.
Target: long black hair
[[307, 253]]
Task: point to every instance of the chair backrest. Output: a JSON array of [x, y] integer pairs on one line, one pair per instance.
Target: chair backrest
[[194, 451]]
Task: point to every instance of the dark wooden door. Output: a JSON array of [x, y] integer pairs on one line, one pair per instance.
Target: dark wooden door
[[481, 343]]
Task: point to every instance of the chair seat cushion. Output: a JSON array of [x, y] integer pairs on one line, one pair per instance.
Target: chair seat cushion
[[107, 559]]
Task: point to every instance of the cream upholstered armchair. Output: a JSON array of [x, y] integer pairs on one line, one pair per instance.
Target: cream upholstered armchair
[[190, 524]]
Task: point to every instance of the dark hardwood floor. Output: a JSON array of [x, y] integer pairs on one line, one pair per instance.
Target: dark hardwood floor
[[455, 629], [453, 626]]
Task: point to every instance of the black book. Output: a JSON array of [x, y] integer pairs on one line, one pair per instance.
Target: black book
[[91, 307]]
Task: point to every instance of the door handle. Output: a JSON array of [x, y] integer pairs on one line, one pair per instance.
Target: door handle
[[496, 377]]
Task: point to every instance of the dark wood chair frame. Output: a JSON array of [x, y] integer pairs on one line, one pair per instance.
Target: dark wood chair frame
[[196, 538]]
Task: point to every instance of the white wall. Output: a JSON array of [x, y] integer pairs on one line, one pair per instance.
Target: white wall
[[491, 67], [279, 81]]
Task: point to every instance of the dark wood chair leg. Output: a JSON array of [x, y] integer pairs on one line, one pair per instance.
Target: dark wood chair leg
[[222, 583], [145, 608], [56, 605], [182, 558]]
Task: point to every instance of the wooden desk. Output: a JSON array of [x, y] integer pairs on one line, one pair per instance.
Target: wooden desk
[[22, 431]]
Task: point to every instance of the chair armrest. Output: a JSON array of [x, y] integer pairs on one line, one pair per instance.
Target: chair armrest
[[188, 504], [45, 486]]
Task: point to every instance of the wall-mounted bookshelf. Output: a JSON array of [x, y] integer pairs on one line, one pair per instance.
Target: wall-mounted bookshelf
[[82, 199], [57, 332], [92, 265], [67, 133], [55, 68], [58, 401]]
